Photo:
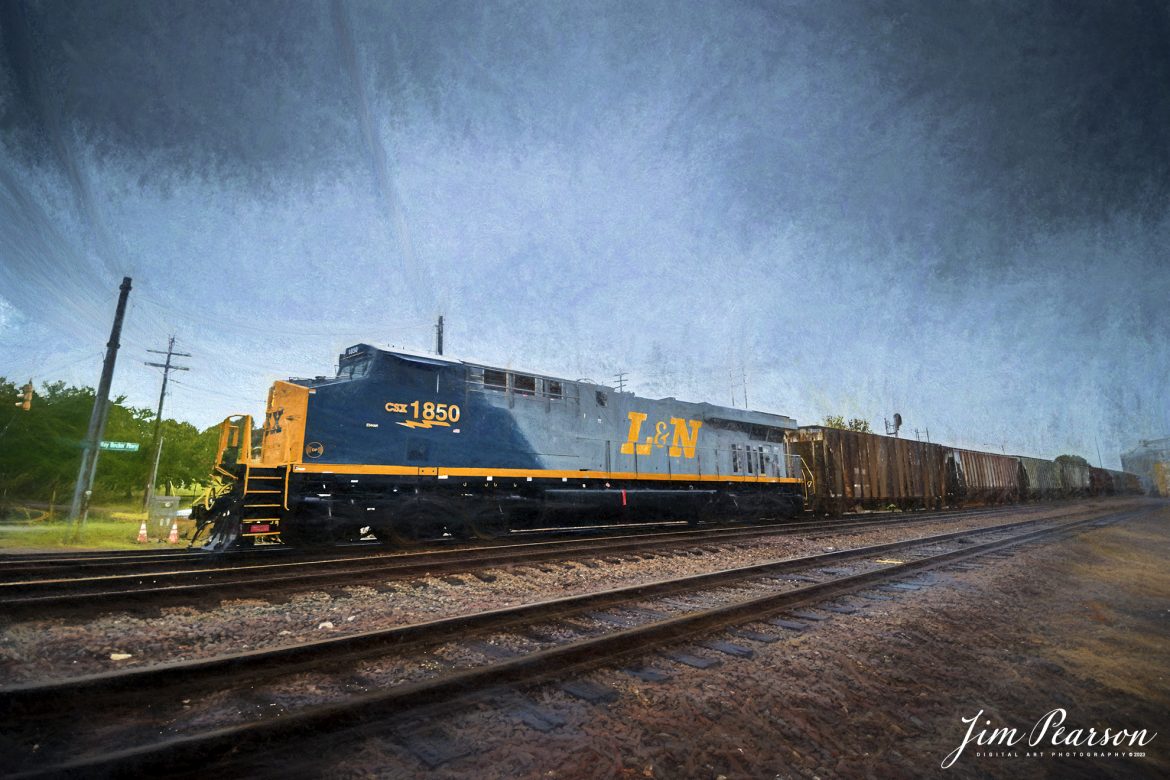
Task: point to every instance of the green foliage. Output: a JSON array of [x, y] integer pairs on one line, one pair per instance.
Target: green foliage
[[1073, 460], [40, 450], [853, 424]]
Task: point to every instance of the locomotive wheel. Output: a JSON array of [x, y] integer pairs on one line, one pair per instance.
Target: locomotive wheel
[[460, 528], [720, 509], [406, 527], [397, 534], [488, 523], [352, 533]]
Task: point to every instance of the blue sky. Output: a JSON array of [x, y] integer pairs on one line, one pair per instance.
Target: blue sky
[[954, 211]]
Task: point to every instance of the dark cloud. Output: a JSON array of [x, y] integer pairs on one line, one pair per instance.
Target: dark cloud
[[866, 204]]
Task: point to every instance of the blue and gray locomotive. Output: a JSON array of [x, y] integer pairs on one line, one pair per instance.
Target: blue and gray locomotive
[[413, 447]]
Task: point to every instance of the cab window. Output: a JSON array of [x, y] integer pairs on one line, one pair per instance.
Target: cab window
[[495, 380], [523, 385]]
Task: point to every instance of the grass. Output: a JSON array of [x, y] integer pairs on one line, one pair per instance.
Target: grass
[[113, 527]]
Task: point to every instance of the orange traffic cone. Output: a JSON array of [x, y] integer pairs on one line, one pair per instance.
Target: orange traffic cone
[[142, 534], [174, 536]]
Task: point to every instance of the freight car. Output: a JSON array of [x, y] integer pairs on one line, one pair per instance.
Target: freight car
[[850, 471], [416, 446], [1042, 480]]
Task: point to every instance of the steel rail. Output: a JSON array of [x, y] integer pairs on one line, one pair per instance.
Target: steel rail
[[129, 568], [256, 664], [524, 671], [138, 592], [131, 561]]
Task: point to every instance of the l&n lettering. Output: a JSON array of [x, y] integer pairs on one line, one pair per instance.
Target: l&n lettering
[[686, 436]]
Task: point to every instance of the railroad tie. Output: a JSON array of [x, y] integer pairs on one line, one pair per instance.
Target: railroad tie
[[592, 692], [647, 674], [689, 659]]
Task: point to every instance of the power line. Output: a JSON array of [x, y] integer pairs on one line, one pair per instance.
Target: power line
[[43, 374], [198, 389], [365, 332]]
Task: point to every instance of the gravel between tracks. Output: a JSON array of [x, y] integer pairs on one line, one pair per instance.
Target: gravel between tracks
[[1082, 626], [52, 648]]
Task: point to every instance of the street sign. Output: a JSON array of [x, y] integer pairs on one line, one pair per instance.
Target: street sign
[[121, 446]]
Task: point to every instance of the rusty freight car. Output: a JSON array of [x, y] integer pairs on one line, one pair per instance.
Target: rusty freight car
[[984, 477], [847, 470], [1125, 484]]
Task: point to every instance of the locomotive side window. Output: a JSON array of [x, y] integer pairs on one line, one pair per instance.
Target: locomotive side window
[[553, 388], [495, 380], [524, 385], [602, 398], [735, 463], [353, 369]]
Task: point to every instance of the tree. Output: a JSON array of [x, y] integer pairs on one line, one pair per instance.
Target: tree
[[40, 450], [859, 425], [854, 424], [1071, 460]]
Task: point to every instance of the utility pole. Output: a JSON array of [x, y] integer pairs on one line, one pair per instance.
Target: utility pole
[[79, 507], [167, 369], [745, 403], [439, 335], [153, 473], [620, 381]]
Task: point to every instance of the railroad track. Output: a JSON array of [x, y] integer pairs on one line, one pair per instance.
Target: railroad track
[[14, 566], [553, 639], [147, 587], [42, 566]]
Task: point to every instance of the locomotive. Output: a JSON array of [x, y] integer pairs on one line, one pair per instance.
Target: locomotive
[[413, 447]]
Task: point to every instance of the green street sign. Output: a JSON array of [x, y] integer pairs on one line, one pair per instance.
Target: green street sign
[[120, 446]]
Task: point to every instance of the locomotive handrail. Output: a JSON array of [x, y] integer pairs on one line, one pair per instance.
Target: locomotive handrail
[[235, 435], [810, 480]]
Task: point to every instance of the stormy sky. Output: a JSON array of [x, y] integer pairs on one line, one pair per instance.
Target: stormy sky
[[954, 211]]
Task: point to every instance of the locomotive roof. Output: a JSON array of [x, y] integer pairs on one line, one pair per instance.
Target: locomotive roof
[[430, 358], [711, 411]]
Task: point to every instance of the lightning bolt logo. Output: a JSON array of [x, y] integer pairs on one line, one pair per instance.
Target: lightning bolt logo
[[424, 423]]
